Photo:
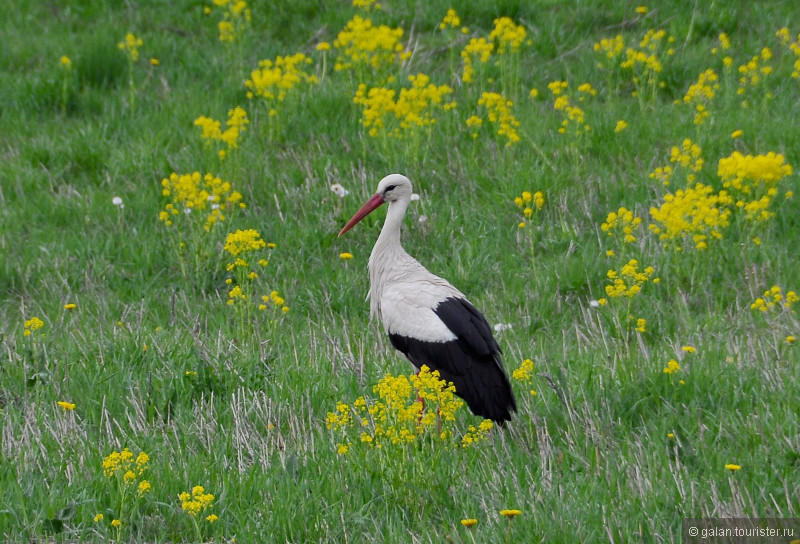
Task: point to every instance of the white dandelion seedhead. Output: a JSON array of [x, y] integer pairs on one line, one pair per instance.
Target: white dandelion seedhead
[[340, 191], [500, 327], [117, 201]]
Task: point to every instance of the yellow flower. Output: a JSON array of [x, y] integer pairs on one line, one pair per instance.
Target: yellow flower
[[131, 46], [469, 522], [346, 256], [510, 513], [70, 306], [342, 449], [154, 62], [243, 241], [212, 518], [144, 487], [672, 367], [790, 339], [688, 349], [621, 125], [732, 467], [98, 518], [736, 134], [451, 20], [197, 501], [641, 10], [323, 46], [116, 523], [498, 111], [66, 405], [65, 62]]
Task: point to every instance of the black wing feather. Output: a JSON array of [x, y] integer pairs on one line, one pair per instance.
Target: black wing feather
[[471, 361]]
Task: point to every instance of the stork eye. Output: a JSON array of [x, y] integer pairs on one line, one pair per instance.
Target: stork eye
[[389, 188]]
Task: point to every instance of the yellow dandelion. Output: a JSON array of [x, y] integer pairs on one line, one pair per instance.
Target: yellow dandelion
[[66, 405], [345, 256], [70, 306], [469, 522], [732, 467], [510, 513]]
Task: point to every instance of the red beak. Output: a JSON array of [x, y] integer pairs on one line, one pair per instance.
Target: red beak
[[369, 206]]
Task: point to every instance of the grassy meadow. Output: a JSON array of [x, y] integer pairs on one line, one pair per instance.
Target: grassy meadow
[[186, 353]]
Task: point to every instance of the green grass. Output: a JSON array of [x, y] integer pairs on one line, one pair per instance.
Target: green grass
[[590, 456]]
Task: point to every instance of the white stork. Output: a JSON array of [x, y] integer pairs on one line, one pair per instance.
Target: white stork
[[427, 319]]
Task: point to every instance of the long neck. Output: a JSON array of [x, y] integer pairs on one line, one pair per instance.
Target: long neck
[[389, 238], [387, 255]]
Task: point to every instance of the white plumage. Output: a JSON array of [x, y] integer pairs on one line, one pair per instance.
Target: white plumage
[[427, 319]]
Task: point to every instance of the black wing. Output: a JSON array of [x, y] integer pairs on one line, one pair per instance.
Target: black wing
[[471, 361]]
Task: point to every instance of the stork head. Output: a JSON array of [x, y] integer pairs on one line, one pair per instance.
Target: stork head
[[392, 188]]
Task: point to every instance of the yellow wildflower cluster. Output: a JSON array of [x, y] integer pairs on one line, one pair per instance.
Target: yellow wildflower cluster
[[574, 121], [529, 203], [644, 62], [237, 121], [794, 46], [586, 89], [695, 213], [753, 76], [415, 108], [701, 93], [122, 465], [130, 46], [610, 48], [774, 298], [243, 241], [524, 374], [363, 45], [724, 44], [408, 409], [498, 112], [452, 20], [688, 156], [477, 50], [629, 280], [276, 300], [31, 325], [273, 79], [191, 195], [753, 180], [623, 222], [475, 435], [366, 5], [672, 367], [235, 18], [197, 502], [66, 406], [509, 35]]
